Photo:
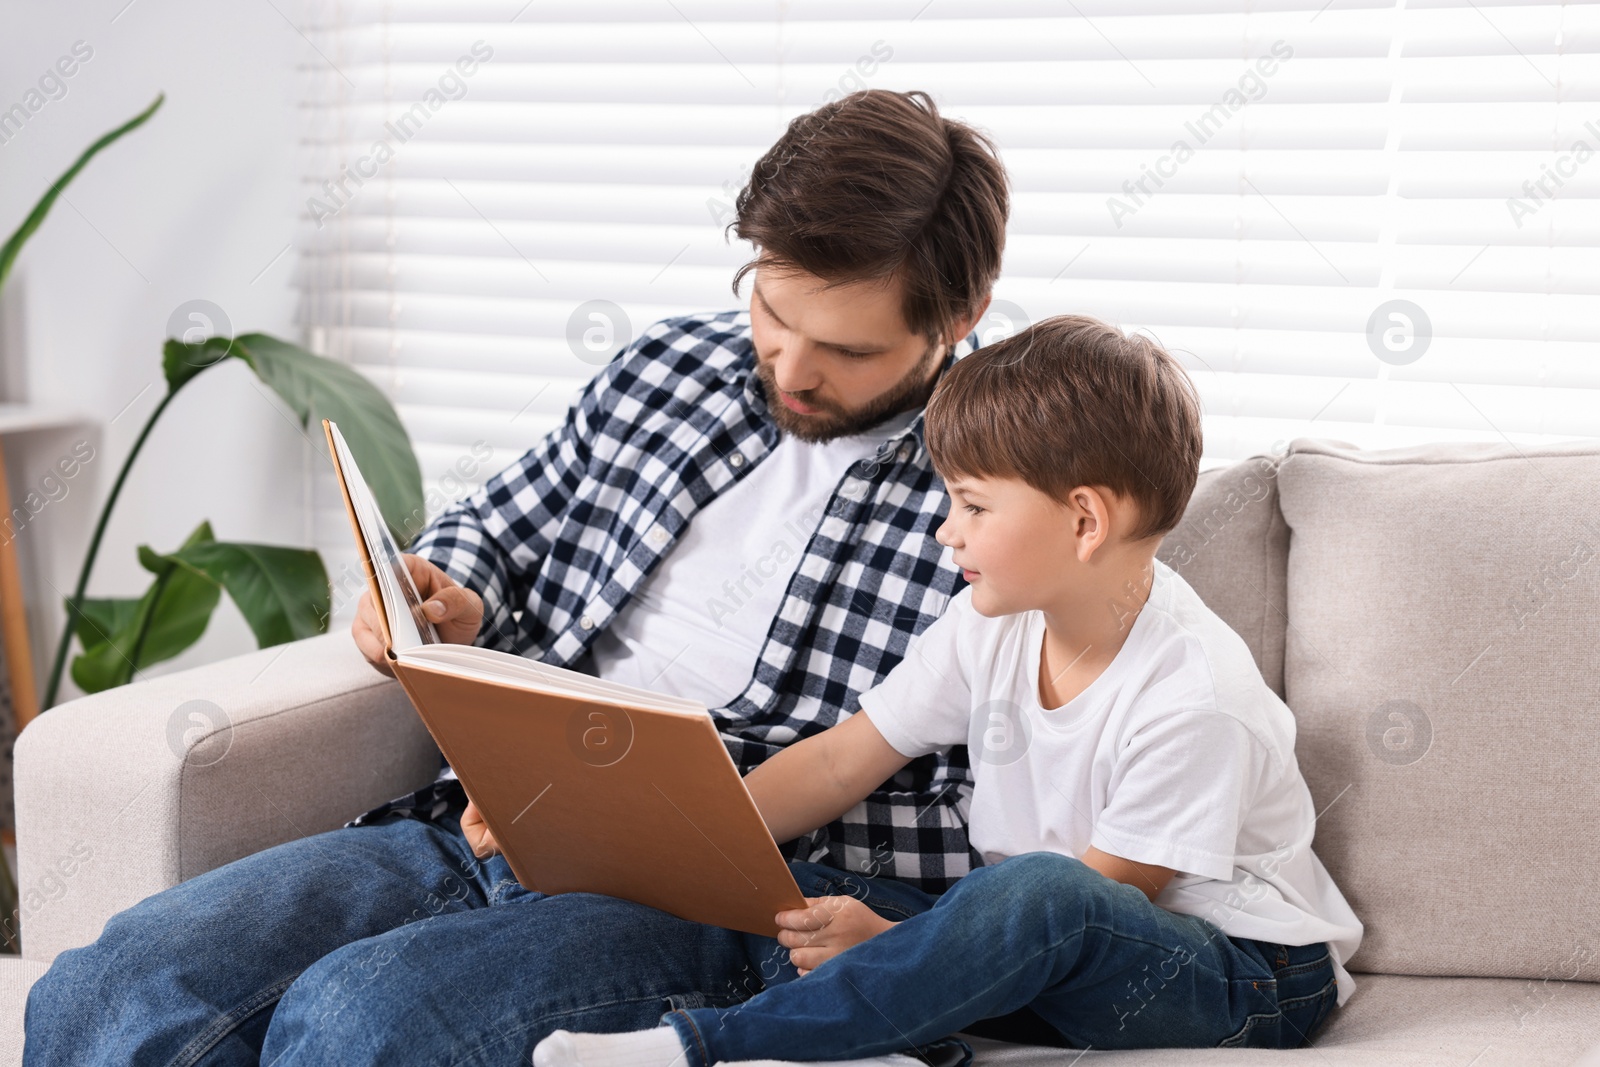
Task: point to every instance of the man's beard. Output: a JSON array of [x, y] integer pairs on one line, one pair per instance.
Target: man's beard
[[912, 391]]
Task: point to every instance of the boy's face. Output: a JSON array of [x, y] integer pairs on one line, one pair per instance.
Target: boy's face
[[1015, 545], [836, 361]]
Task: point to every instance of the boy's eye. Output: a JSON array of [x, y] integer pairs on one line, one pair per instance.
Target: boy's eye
[[973, 509]]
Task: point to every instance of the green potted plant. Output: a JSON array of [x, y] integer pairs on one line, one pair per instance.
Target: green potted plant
[[282, 591]]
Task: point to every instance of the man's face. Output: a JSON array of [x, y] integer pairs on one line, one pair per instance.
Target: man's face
[[836, 361]]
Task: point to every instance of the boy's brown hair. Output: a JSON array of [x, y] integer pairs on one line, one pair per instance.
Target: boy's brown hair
[[1072, 401], [878, 184]]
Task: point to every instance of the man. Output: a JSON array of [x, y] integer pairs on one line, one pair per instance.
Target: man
[[737, 508]]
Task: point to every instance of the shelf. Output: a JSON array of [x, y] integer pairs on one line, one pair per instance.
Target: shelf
[[21, 418]]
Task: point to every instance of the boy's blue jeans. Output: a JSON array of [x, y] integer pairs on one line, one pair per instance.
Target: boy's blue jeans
[[392, 944], [1065, 955]]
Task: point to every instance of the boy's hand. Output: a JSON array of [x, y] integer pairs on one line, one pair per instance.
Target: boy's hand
[[455, 611], [479, 838], [830, 925]]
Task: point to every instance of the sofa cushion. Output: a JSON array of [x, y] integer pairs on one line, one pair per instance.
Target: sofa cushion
[[17, 976], [1391, 1021], [1443, 668], [126, 792], [1233, 547]]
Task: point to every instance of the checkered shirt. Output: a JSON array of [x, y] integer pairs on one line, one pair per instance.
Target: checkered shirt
[[558, 543]]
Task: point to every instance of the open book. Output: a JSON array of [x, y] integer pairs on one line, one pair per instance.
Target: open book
[[587, 786]]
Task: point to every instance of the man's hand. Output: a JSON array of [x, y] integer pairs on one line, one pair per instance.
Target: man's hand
[[830, 925], [477, 833], [456, 612]]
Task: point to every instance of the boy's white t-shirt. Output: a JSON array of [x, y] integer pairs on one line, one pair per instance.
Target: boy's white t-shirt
[[1178, 755]]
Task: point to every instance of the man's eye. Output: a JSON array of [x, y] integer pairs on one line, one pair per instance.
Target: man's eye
[[852, 355]]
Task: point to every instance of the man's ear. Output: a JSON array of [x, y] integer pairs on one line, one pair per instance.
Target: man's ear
[[1091, 521], [961, 327]]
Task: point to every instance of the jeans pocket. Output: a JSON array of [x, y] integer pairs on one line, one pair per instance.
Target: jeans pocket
[[1264, 1023], [1304, 1015], [1292, 1024], [1307, 992], [1260, 1030]]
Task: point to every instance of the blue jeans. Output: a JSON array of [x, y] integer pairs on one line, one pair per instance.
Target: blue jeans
[[391, 944], [381, 944], [1039, 948]]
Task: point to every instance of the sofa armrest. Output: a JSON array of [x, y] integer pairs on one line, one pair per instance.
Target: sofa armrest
[[125, 793]]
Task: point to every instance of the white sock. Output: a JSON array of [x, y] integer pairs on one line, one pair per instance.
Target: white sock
[[641, 1048]]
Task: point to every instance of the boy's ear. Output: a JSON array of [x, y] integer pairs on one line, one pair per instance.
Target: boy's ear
[[1091, 521]]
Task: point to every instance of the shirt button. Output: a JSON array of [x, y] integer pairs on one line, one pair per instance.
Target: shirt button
[[586, 622], [905, 451], [659, 535], [736, 460]]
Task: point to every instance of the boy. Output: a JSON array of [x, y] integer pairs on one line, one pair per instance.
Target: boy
[[1146, 830]]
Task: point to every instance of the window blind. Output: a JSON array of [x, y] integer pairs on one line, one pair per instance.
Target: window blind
[[1375, 222]]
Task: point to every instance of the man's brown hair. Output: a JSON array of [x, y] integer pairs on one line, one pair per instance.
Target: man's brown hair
[[1072, 401], [877, 184]]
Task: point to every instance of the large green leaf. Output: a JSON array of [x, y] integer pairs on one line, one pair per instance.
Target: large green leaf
[[13, 245], [97, 619], [120, 635], [317, 388], [281, 592]]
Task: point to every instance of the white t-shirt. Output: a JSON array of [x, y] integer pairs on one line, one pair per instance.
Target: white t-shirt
[[1178, 755], [697, 624]]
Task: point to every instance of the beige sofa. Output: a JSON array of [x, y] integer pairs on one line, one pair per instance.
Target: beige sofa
[[1431, 615]]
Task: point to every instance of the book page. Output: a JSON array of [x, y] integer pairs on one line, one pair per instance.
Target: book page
[[413, 639], [492, 665], [402, 604]]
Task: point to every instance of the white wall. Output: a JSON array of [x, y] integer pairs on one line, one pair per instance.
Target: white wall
[[196, 204]]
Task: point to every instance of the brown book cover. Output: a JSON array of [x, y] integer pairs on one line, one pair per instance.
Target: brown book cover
[[588, 786]]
